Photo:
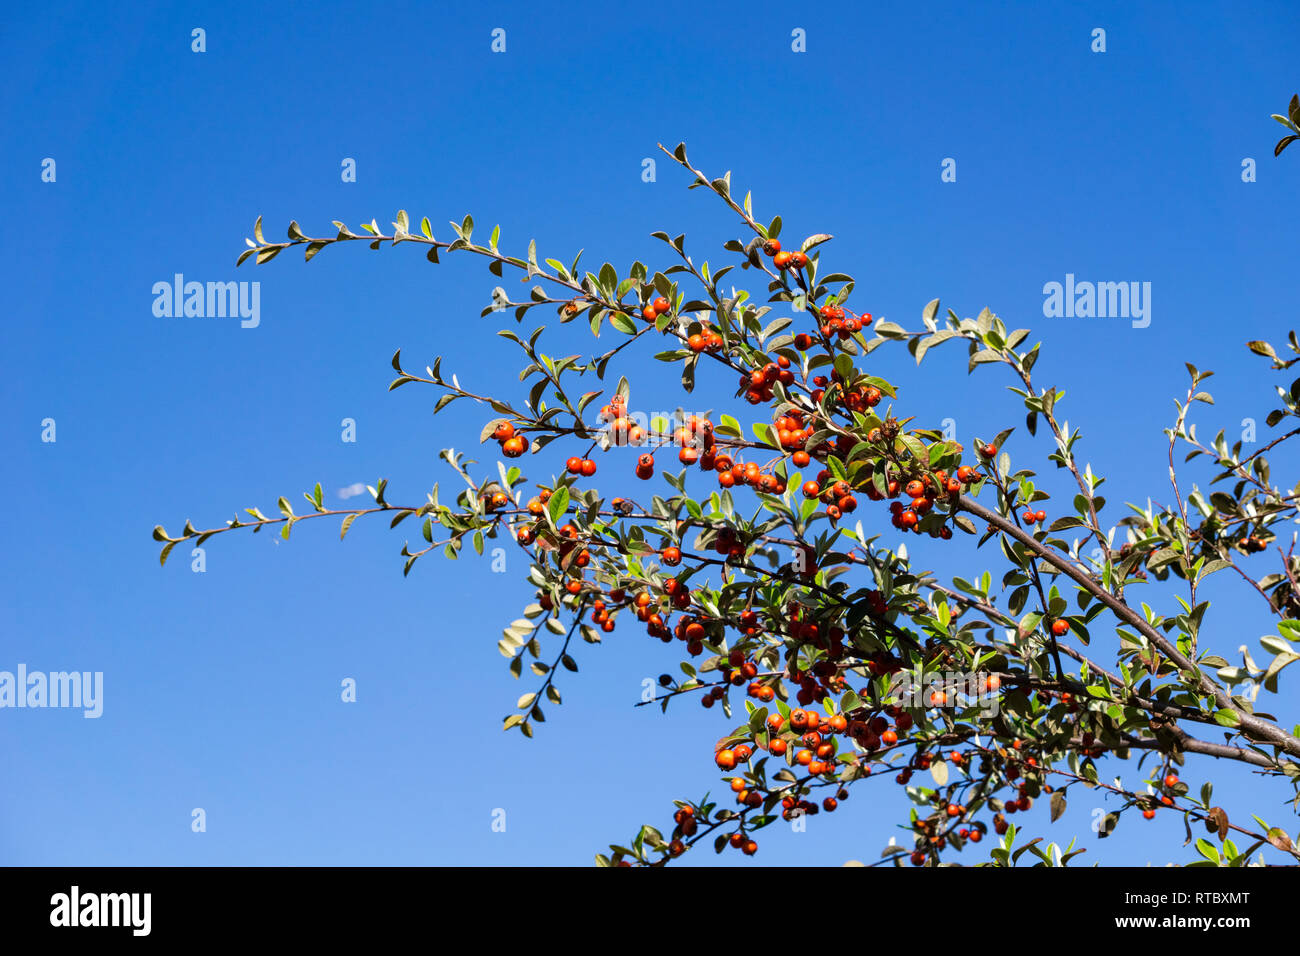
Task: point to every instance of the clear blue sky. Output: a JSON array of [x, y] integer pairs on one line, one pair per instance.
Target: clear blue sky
[[222, 688]]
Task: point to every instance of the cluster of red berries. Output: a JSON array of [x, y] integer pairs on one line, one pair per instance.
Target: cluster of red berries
[[758, 386], [622, 430], [876, 731], [823, 677], [536, 506], [835, 322], [853, 399], [602, 608], [784, 260], [744, 844], [581, 466], [1167, 798], [923, 492], [728, 758], [646, 609], [600, 615], [685, 820], [737, 671], [792, 434], [698, 446], [792, 807], [695, 439], [687, 826], [732, 474], [657, 307], [512, 445], [816, 734], [705, 340], [693, 632], [837, 497], [929, 834], [746, 796]]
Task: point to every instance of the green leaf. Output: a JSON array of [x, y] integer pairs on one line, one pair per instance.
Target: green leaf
[[558, 504], [622, 322]]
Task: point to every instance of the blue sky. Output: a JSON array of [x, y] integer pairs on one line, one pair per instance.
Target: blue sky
[[222, 688]]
